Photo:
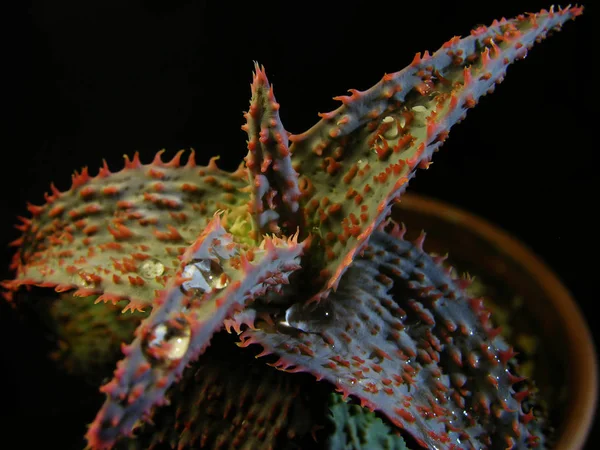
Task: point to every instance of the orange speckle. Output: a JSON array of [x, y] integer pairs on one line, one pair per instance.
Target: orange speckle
[[171, 235], [334, 208], [157, 174], [140, 256], [470, 101], [179, 217], [331, 166], [148, 221], [227, 186], [110, 190], [124, 204], [110, 246], [186, 187], [56, 211], [350, 174], [120, 231], [92, 209], [136, 281], [403, 142], [91, 229], [86, 192]]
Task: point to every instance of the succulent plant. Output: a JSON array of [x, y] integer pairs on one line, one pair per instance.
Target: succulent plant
[[358, 429], [295, 252]]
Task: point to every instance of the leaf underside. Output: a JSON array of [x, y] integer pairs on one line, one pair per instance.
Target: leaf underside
[[402, 336]]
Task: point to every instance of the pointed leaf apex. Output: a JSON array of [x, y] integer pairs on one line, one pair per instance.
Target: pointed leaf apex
[[259, 76]]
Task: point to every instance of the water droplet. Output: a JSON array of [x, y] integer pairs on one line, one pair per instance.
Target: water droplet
[[168, 341], [342, 381], [151, 268], [311, 318], [205, 275], [217, 279]]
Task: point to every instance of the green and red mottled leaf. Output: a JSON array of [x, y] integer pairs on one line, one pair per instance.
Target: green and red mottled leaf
[[359, 158], [121, 235]]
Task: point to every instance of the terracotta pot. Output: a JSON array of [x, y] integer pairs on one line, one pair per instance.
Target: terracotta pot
[[564, 361]]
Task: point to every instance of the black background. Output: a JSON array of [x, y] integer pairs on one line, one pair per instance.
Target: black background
[[98, 79]]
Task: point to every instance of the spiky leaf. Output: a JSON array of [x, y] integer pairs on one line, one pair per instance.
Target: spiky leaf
[[216, 277], [274, 182], [120, 235], [359, 158], [401, 335]]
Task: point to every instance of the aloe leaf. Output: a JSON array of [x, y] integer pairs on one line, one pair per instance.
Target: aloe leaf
[[358, 159], [402, 336], [121, 235], [273, 180], [217, 276]]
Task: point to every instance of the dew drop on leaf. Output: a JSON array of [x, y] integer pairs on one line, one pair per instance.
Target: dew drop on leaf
[[311, 318], [167, 342], [204, 275], [151, 268]]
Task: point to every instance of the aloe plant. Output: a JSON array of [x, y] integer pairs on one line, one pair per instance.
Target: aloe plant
[[295, 252]]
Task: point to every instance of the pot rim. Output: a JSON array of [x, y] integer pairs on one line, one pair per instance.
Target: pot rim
[[583, 374]]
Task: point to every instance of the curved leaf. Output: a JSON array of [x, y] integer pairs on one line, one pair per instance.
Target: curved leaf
[[401, 335], [121, 235], [359, 158], [217, 276]]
